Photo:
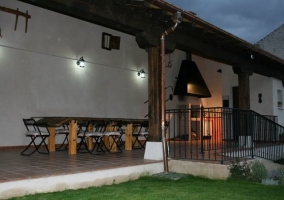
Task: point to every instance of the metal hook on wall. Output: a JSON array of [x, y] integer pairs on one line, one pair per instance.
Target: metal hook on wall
[[170, 62]]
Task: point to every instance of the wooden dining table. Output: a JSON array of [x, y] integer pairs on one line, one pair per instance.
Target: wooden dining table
[[53, 122]]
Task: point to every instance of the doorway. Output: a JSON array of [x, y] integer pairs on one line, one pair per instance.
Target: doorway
[[236, 97]]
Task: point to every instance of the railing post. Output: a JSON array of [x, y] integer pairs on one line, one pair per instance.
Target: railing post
[[201, 129], [251, 126]]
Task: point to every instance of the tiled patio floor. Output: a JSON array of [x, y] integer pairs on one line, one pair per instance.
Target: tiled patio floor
[[14, 166]]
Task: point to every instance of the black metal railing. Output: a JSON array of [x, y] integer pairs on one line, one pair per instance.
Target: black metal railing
[[222, 134]]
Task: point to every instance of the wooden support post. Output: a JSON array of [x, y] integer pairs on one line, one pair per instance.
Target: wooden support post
[[154, 98], [73, 137], [89, 139], [244, 91], [51, 139], [128, 137], [107, 139]]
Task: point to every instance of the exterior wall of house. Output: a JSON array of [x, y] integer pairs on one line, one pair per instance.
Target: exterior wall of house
[[278, 111], [39, 75], [274, 44], [213, 79], [264, 86]]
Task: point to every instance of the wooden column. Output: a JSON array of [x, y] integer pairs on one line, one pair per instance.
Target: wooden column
[[244, 91], [72, 137], [154, 95], [51, 139], [89, 139], [128, 137]]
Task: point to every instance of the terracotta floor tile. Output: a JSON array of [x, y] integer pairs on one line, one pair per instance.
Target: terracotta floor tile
[[13, 166]]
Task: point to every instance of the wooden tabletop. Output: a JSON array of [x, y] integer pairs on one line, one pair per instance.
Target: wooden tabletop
[[59, 121]]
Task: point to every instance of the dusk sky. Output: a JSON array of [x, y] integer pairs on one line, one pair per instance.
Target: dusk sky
[[250, 20]]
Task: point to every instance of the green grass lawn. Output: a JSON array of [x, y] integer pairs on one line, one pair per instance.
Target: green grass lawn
[[161, 188]]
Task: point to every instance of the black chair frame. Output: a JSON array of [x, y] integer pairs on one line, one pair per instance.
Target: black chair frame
[[65, 142], [99, 144], [32, 123], [141, 127]]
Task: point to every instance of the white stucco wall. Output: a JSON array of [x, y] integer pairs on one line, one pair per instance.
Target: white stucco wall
[[39, 75], [274, 44], [261, 85], [213, 79]]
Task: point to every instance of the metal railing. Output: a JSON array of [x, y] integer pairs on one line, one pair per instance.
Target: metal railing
[[222, 134]]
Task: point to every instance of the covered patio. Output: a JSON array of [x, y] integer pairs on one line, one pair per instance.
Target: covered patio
[[47, 82]]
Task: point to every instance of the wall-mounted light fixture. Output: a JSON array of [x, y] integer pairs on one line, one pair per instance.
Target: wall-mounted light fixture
[[81, 62], [141, 73]]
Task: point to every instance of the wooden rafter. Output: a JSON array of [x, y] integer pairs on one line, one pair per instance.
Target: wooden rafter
[[17, 13]]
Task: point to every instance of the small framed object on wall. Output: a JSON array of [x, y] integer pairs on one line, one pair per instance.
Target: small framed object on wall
[[110, 42]]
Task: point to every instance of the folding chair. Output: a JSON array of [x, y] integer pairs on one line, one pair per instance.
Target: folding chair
[[120, 127], [81, 134], [63, 130], [115, 138], [142, 131], [97, 135], [34, 132]]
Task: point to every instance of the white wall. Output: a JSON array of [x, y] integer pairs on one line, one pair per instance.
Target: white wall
[[213, 79], [277, 85], [261, 85], [39, 75]]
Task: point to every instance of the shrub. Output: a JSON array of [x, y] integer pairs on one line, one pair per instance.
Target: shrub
[[240, 171], [255, 171], [259, 171], [281, 181]]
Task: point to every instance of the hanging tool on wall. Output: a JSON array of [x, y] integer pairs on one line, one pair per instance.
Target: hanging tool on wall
[[17, 13]]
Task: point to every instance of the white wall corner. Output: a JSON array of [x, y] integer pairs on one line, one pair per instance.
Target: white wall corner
[[154, 151]]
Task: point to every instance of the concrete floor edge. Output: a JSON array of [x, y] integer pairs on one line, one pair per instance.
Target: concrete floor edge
[[77, 181]]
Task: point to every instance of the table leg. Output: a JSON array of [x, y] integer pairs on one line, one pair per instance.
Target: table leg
[[51, 139], [72, 137], [128, 137], [89, 139], [106, 139]]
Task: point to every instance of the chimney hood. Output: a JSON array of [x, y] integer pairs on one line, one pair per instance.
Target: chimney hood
[[190, 82]]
